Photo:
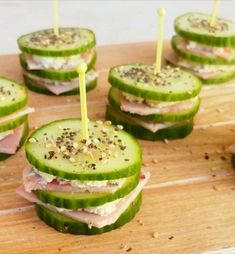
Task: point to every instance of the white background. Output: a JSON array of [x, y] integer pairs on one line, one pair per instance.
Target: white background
[[114, 22]]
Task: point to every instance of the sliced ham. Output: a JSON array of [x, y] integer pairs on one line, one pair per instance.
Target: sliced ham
[[33, 181], [144, 109], [173, 58], [11, 142], [203, 50], [59, 87], [153, 127], [17, 114], [93, 220], [35, 62]]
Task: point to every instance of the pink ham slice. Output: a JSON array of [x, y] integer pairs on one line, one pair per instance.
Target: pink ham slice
[[33, 181], [57, 89], [172, 58], [93, 220], [206, 51], [11, 142], [144, 109]]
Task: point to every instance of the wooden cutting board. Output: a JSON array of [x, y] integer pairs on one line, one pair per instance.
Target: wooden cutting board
[[189, 202]]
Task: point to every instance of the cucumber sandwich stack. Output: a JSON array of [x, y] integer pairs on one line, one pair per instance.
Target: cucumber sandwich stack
[[13, 117], [153, 106], [49, 61], [205, 50], [83, 186]]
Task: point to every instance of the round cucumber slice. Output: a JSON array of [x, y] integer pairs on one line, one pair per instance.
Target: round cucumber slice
[[65, 224], [110, 153], [12, 124], [13, 96], [75, 201], [4, 156], [177, 131], [32, 85], [196, 27], [115, 102], [199, 58], [61, 75], [171, 84], [70, 41]]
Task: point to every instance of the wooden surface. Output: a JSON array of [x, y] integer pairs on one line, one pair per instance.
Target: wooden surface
[[189, 202]]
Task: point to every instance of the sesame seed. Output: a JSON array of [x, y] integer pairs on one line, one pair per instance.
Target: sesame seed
[[75, 145], [32, 140], [72, 159], [63, 148]]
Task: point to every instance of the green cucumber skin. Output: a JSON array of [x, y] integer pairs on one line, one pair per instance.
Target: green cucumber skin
[[233, 160], [197, 58], [4, 156], [73, 204], [13, 124], [146, 94], [65, 224], [156, 117], [40, 89], [220, 79], [4, 111], [205, 39], [175, 132], [59, 53], [124, 172], [53, 74]]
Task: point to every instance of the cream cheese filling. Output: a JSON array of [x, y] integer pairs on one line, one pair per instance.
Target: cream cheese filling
[[80, 184], [58, 63]]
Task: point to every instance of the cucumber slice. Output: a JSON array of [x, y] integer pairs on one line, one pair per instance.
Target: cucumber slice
[[220, 78], [32, 85], [124, 160], [114, 100], [196, 27], [199, 58], [13, 96], [233, 160], [177, 131], [61, 75], [70, 41], [4, 156], [65, 224], [140, 80], [75, 201], [12, 124]]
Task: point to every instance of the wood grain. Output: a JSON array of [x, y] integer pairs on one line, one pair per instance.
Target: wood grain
[[189, 201]]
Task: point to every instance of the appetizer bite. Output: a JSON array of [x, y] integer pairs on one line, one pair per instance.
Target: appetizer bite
[[205, 48], [151, 102], [83, 186], [13, 117], [153, 106], [49, 60], [84, 176]]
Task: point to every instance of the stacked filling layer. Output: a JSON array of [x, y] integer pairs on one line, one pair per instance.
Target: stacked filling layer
[[13, 117], [92, 181], [156, 102], [47, 66], [210, 61]]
